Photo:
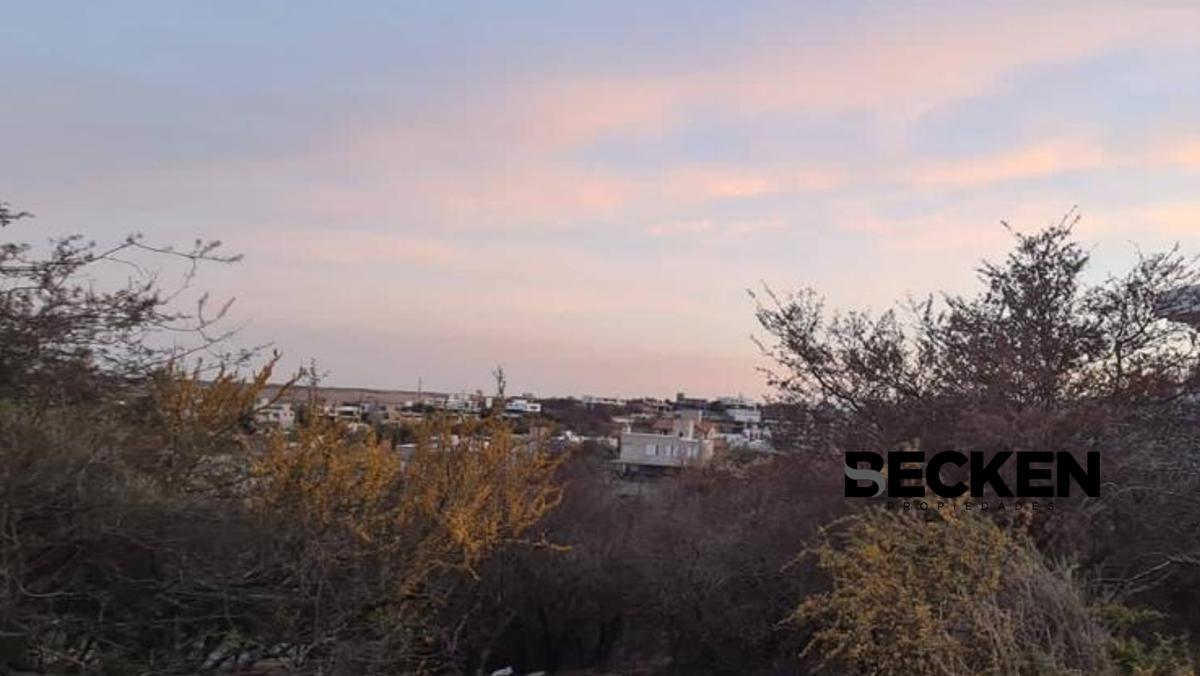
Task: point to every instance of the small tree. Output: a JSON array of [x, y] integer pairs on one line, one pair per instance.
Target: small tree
[[63, 338], [1035, 341], [1039, 358]]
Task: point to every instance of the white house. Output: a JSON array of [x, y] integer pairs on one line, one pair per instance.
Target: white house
[[741, 410], [350, 412], [278, 414], [463, 402], [521, 405], [683, 445]]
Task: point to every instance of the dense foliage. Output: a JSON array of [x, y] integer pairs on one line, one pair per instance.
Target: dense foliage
[[146, 526]]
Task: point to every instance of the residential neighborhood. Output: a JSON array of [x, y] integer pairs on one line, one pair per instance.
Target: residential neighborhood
[[647, 437]]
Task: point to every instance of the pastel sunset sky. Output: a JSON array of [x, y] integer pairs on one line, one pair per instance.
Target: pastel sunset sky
[[583, 192]]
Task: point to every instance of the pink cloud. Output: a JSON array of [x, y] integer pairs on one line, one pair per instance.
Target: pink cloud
[[567, 113], [1175, 220], [539, 195], [1182, 219], [506, 160], [1183, 152], [701, 183], [973, 228], [1031, 161], [680, 228], [1054, 156], [899, 64], [354, 247]]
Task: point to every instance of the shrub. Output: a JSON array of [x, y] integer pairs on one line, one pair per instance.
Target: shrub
[[945, 592]]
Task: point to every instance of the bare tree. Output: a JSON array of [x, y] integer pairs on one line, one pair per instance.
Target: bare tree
[[63, 337], [1037, 359]]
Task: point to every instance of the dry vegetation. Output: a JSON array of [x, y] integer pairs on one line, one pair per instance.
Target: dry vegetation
[[147, 528]]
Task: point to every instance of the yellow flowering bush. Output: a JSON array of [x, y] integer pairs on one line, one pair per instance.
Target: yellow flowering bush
[[466, 488], [944, 592]]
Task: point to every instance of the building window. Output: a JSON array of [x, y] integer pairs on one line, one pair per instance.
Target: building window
[[651, 449]]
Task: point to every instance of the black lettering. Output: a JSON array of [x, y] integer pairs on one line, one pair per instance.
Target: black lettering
[[989, 474], [933, 474], [898, 474], [1068, 468], [1027, 474]]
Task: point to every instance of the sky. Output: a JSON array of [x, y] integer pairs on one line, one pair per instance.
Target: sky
[[583, 192]]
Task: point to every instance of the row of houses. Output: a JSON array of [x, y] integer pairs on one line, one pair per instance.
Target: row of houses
[[652, 436], [279, 407]]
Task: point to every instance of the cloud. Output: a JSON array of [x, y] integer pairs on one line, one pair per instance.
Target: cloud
[[1183, 152], [568, 113], [1180, 218], [1170, 219], [353, 247], [708, 182], [541, 195], [899, 64], [1047, 158], [527, 197], [616, 205], [966, 230], [1032, 161], [506, 157], [680, 228]]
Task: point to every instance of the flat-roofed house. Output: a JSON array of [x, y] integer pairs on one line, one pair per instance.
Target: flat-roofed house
[[672, 443], [279, 414]]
